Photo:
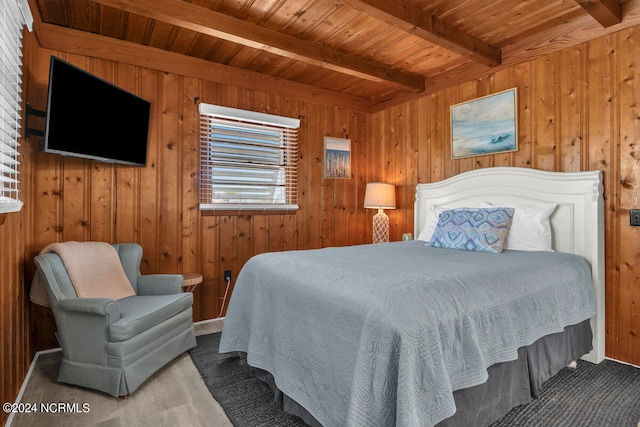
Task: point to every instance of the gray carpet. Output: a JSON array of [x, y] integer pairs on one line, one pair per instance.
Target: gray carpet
[[604, 395]]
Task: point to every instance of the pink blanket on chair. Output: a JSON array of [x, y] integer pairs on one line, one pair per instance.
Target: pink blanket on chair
[[94, 268]]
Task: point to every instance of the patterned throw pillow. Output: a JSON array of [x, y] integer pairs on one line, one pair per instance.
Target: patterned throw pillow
[[473, 229]]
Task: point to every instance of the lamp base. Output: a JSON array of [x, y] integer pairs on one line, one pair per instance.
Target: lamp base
[[380, 227]]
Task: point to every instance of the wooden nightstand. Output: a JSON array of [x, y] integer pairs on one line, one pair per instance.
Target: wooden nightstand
[[191, 280]]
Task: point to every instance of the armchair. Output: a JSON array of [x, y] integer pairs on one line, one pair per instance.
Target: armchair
[[114, 345]]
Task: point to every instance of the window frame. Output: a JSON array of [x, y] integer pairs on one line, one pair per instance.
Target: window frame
[[230, 154]]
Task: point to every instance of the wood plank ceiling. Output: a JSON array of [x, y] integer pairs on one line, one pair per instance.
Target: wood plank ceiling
[[371, 53]]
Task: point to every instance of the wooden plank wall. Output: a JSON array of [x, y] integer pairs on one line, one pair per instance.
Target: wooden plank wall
[[157, 206], [14, 331], [579, 109]]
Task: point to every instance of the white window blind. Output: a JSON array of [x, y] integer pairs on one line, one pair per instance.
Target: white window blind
[[13, 15], [248, 160]]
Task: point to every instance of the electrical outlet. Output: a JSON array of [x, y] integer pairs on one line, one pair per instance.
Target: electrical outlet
[[227, 275], [634, 217]]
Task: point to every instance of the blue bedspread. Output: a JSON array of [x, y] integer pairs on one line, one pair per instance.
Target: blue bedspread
[[381, 335]]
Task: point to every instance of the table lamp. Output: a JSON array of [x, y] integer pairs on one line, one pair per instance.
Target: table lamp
[[380, 195]]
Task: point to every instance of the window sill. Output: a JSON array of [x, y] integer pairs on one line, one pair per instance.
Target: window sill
[[247, 209], [228, 212]]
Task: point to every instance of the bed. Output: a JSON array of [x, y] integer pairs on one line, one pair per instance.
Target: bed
[[386, 335]]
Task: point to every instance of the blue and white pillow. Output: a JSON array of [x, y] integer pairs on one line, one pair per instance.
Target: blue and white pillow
[[473, 229]]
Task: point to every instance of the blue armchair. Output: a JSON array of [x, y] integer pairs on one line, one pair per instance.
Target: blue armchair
[[115, 345]]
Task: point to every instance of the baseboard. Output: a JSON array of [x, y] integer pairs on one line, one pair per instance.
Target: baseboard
[[202, 322], [624, 363], [25, 381]]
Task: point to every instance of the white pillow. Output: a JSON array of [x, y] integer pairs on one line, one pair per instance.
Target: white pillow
[[430, 222], [530, 229]]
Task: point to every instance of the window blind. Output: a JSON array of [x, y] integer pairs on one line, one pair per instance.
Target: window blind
[[248, 160], [13, 15]]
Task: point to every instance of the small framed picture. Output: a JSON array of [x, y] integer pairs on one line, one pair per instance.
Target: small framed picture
[[337, 157], [486, 125]]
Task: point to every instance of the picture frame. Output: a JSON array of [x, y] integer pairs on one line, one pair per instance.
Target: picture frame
[[337, 158], [485, 125]]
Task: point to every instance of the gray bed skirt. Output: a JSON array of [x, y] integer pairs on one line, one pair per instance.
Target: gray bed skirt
[[510, 383]]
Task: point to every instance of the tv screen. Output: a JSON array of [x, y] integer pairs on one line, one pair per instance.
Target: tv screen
[[89, 117]]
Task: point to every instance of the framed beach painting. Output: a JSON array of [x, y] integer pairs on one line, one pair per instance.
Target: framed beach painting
[[486, 125], [337, 157]]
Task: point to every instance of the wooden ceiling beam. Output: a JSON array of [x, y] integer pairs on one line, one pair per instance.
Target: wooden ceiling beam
[[78, 42], [414, 21], [606, 12], [206, 21], [571, 31]]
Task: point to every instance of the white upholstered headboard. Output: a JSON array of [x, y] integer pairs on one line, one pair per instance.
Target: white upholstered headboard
[[577, 223]]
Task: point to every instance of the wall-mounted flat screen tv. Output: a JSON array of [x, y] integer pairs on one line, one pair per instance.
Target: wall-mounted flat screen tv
[[91, 118]]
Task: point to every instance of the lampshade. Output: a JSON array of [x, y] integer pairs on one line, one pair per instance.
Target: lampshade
[[380, 195]]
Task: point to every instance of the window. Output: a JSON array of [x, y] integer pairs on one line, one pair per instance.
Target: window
[[248, 160], [13, 15]]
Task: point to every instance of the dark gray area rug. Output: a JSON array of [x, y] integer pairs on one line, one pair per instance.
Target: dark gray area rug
[[603, 395], [247, 401]]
